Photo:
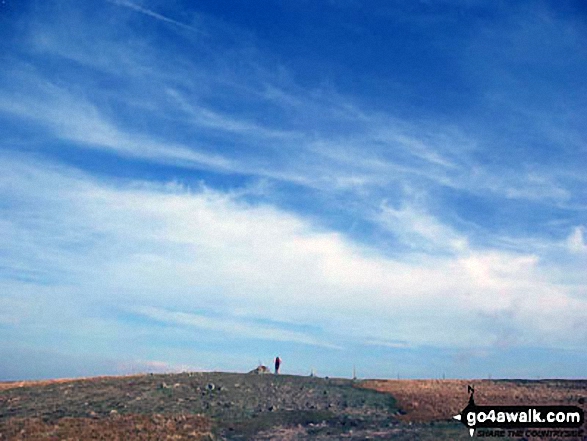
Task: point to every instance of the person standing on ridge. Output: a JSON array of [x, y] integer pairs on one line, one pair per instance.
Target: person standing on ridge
[[277, 364]]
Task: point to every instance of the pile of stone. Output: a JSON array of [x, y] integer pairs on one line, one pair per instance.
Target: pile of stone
[[260, 370]]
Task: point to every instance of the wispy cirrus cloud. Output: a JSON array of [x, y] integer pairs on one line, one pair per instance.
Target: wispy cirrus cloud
[[576, 240], [339, 143], [231, 327], [73, 119], [150, 13]]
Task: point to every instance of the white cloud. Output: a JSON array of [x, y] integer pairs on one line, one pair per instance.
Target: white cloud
[[576, 240], [206, 117], [420, 230], [387, 343], [231, 327], [75, 119], [361, 151], [168, 252]]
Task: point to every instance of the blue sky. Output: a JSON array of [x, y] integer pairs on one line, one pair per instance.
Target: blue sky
[[398, 186]]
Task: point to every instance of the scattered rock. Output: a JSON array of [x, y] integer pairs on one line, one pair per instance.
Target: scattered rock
[[294, 407]]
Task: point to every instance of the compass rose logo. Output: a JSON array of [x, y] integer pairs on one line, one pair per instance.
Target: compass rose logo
[[470, 407]]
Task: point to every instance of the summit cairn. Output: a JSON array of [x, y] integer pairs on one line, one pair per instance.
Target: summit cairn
[[261, 369]]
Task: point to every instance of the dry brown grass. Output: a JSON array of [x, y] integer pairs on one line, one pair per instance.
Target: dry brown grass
[[436, 400]]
